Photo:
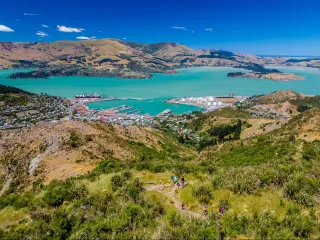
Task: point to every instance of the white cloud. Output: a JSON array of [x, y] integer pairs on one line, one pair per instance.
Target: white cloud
[[83, 38], [4, 28], [180, 28], [32, 14], [124, 38], [192, 32], [208, 29], [45, 26], [86, 38], [69, 29], [94, 37], [99, 31], [41, 34]]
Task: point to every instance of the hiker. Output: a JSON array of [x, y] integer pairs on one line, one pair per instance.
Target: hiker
[[182, 181], [205, 212], [183, 206], [177, 180], [221, 209], [172, 178]]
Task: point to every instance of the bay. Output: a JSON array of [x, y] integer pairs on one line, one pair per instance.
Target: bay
[[200, 81]]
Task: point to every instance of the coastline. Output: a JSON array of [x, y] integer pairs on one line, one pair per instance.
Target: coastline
[[292, 67]]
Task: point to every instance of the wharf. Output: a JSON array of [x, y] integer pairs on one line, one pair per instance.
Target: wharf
[[120, 108], [167, 111], [136, 111]]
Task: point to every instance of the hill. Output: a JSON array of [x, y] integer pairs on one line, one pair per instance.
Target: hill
[[8, 89], [106, 56], [165, 50], [69, 148], [112, 57], [278, 97], [84, 180]]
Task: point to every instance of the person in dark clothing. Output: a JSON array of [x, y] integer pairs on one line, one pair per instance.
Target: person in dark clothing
[[182, 181], [183, 206], [205, 212], [221, 209]]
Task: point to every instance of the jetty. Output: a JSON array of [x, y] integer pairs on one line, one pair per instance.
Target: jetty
[[120, 108], [135, 111], [165, 112]]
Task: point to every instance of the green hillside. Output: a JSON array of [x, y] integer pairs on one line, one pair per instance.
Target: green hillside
[[267, 187]]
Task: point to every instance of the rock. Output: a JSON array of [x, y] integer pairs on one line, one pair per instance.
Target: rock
[[34, 163]]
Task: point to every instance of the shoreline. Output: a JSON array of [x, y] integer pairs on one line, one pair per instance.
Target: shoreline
[[293, 67]]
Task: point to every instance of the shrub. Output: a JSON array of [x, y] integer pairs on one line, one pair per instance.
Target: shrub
[[303, 190], [109, 166], [134, 189], [126, 175], [55, 195], [203, 193], [175, 219], [241, 180], [15, 200], [74, 140], [311, 151], [89, 138], [60, 225], [134, 213], [57, 192], [117, 182]]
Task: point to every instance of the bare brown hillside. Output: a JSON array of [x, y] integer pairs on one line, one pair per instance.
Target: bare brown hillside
[[70, 148], [278, 97], [105, 54], [306, 125]]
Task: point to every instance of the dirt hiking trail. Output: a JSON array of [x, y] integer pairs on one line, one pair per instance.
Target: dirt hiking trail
[[171, 194]]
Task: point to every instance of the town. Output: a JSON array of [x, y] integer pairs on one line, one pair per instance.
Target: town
[[24, 110], [17, 111]]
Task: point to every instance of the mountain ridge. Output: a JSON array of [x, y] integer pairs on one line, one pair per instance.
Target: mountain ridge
[[112, 57]]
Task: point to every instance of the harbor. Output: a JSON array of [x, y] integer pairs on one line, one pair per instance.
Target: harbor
[[138, 111]]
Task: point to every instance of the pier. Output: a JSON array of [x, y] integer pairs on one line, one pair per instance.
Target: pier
[[167, 111], [120, 108], [136, 111]]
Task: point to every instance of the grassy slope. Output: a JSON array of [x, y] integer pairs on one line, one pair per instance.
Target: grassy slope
[[270, 185]]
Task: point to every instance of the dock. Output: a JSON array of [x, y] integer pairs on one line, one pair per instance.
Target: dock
[[136, 111], [120, 108], [167, 111]]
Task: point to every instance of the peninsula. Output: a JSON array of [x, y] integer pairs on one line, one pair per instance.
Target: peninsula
[[282, 77]]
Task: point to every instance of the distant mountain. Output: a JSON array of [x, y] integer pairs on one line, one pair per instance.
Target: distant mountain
[[112, 57], [164, 50]]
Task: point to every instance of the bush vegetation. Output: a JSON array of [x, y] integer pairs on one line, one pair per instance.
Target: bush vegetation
[[277, 163]]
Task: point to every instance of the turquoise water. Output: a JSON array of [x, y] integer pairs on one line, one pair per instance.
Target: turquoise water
[[188, 82], [152, 107]]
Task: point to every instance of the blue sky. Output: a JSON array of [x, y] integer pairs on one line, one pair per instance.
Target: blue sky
[[282, 27]]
